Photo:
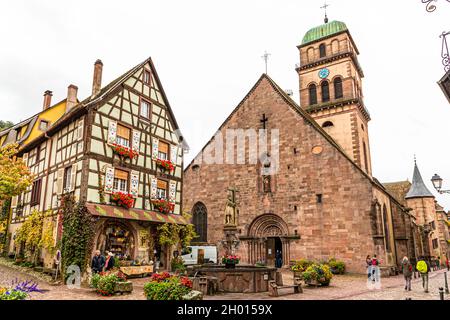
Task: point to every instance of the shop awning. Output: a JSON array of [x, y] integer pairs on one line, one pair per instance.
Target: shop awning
[[107, 211]]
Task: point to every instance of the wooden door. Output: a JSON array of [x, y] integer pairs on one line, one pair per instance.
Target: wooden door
[[270, 252]]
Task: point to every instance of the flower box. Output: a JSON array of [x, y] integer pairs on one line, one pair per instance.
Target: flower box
[[163, 206], [123, 151], [166, 165], [230, 261], [121, 199], [123, 287]]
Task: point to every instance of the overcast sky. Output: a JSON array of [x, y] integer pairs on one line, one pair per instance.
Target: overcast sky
[[208, 56]]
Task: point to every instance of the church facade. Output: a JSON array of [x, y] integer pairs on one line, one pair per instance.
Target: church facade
[[310, 194]]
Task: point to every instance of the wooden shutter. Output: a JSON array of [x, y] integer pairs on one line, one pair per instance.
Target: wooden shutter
[[112, 131], [109, 180], [14, 201], [134, 184], [73, 177], [173, 153], [172, 191], [136, 140], [25, 158], [80, 129], [59, 181], [153, 190], [155, 148]]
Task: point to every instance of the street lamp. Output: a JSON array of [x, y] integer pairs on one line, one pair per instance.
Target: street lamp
[[437, 183]]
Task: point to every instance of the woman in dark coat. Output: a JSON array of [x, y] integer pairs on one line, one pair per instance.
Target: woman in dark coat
[[109, 263]]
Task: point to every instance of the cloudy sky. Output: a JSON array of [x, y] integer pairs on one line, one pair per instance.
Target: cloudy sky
[[208, 55]]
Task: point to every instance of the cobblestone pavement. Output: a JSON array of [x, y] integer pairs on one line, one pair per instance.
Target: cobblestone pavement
[[347, 287]]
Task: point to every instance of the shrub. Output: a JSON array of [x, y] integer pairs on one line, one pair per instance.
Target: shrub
[[320, 273], [337, 267], [12, 294], [105, 282], [166, 287], [301, 265], [178, 264]]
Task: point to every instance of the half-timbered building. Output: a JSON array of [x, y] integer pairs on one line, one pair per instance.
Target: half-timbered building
[[118, 150]]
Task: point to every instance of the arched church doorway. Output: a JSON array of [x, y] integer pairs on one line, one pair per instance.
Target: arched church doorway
[[269, 241]]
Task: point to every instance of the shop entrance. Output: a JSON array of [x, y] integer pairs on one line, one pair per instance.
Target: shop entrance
[[118, 239]]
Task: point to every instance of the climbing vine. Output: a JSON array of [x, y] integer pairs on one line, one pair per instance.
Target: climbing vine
[[78, 235], [176, 234]]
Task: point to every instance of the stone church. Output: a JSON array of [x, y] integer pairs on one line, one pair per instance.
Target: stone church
[[322, 200]]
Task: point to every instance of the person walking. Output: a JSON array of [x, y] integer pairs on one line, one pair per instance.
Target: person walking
[[424, 268], [109, 263], [369, 266], [374, 267], [407, 272], [447, 263], [98, 262]]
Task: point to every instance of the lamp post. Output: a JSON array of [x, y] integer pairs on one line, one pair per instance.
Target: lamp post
[[437, 183]]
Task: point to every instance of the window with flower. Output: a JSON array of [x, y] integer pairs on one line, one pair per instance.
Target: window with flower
[[163, 151], [123, 136], [161, 189], [120, 181]]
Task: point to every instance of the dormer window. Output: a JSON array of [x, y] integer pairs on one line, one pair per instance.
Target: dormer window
[[43, 125]]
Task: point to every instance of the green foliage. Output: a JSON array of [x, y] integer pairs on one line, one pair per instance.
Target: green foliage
[[106, 284], [301, 265], [78, 235], [337, 267], [95, 279], [14, 174], [5, 124], [177, 234], [12, 294], [169, 289], [178, 264], [320, 273]]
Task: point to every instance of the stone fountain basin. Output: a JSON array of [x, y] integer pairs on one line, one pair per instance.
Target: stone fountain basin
[[241, 279]]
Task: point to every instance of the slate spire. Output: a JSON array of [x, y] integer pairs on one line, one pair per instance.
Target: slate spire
[[418, 188]]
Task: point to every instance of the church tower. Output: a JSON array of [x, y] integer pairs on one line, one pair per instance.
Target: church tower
[[331, 88]]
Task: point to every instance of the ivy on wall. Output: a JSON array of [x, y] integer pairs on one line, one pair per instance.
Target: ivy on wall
[[78, 235], [176, 234]]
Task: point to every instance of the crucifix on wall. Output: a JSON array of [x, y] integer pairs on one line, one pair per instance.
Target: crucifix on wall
[[264, 121]]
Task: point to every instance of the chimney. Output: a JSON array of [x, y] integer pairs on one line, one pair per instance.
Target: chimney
[[47, 99], [97, 81], [71, 97]]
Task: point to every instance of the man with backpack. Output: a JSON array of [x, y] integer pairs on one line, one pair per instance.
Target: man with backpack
[[423, 267], [407, 272]]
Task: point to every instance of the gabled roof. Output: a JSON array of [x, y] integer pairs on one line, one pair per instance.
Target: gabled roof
[[418, 188], [91, 101]]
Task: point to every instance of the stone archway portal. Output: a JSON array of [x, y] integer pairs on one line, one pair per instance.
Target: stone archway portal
[[267, 235]]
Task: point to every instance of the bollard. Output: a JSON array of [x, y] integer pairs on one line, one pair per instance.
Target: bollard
[[441, 293], [446, 283]]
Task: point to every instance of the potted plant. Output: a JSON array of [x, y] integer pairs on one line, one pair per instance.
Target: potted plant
[[165, 165], [336, 266], [300, 266], [123, 151], [230, 261], [317, 275], [163, 206], [163, 286], [121, 199]]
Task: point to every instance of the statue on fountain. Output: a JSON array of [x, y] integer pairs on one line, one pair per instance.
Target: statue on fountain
[[231, 241]]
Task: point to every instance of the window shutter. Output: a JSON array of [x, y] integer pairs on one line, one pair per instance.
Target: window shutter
[[134, 188], [59, 181], [14, 201], [173, 154], [73, 177], [109, 180], [25, 158], [112, 132], [172, 191], [80, 130], [153, 190], [136, 140], [155, 148]]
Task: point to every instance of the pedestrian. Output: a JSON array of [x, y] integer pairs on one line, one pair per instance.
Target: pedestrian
[[369, 266], [374, 266], [279, 259], [109, 263], [407, 272], [98, 262], [424, 268], [438, 261], [447, 263]]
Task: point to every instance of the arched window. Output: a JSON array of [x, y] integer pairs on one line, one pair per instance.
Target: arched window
[[325, 91], [338, 92], [323, 50], [328, 124], [312, 94], [386, 229], [200, 221]]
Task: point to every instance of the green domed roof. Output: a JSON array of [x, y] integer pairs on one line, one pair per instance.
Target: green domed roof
[[323, 31]]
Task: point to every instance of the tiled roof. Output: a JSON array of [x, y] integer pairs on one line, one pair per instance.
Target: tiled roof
[[398, 190]]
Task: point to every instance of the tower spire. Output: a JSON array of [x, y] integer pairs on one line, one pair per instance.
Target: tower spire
[[325, 6]]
